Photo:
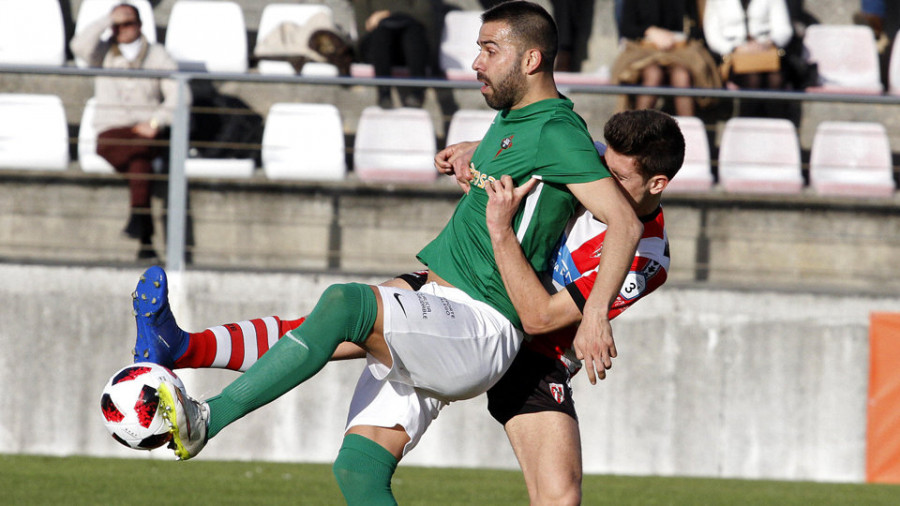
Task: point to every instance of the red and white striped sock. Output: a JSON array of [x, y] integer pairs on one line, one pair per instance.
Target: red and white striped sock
[[234, 346]]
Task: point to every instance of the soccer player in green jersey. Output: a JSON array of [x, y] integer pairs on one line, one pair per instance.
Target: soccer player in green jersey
[[455, 337]]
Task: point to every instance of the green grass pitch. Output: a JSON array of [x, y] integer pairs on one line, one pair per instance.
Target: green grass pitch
[[31, 480]]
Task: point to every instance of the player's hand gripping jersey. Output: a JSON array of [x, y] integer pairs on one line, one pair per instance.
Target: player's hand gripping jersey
[[575, 269]]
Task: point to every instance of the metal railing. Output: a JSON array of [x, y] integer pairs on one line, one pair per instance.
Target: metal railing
[[180, 128]]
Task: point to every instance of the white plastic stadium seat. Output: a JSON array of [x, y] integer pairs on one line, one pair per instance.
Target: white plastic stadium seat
[[760, 155], [275, 14], [459, 46], [317, 69], [33, 132], [600, 77], [228, 168], [88, 158], [92, 10], [204, 35], [469, 125], [395, 145], [304, 141], [851, 158], [368, 70], [32, 33], [696, 172], [847, 58]]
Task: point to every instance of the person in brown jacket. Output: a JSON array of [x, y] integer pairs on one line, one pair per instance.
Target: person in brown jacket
[[658, 51], [132, 113]]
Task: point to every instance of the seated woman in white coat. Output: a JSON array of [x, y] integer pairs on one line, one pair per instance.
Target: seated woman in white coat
[[749, 36]]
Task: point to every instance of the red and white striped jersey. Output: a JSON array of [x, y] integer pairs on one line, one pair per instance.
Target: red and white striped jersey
[[575, 269]]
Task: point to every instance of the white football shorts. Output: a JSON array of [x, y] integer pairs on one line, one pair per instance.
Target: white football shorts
[[383, 403], [445, 342]]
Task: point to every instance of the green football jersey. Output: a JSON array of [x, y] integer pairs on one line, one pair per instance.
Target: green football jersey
[[546, 139]]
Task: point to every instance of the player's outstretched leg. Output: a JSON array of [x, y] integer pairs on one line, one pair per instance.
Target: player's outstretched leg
[[188, 420], [159, 339], [345, 312]]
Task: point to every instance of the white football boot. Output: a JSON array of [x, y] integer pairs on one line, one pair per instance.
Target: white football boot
[[188, 420]]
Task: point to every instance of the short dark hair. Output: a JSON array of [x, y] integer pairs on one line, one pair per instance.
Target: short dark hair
[[532, 26], [653, 138], [137, 13]]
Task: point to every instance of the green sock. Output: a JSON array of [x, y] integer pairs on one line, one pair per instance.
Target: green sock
[[344, 313], [363, 470]]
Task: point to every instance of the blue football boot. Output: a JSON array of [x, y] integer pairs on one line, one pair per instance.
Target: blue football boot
[[159, 339]]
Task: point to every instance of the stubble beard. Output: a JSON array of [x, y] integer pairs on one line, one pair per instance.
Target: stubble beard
[[508, 91]]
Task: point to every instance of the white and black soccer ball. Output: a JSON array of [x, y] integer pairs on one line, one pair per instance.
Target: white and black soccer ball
[[130, 405]]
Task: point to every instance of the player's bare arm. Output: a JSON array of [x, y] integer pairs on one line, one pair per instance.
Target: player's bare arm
[[539, 311], [594, 342]]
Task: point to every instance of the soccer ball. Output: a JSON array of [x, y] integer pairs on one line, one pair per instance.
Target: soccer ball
[[129, 404]]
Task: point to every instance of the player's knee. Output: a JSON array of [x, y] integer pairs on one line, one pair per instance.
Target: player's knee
[[561, 492], [354, 484], [343, 297], [350, 307], [358, 486], [363, 472]]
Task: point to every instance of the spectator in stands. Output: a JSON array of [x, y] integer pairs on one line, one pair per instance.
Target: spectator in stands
[[871, 13], [574, 21], [750, 36], [799, 72], [876, 15], [891, 25], [132, 113], [657, 51], [891, 19], [395, 33], [618, 5]]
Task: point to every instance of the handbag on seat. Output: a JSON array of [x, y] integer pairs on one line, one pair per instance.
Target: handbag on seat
[[757, 61]]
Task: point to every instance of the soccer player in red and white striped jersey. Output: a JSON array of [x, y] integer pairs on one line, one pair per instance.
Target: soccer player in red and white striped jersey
[[533, 400]]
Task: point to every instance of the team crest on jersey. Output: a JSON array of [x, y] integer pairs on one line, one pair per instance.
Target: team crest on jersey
[[505, 144], [559, 392], [653, 267]]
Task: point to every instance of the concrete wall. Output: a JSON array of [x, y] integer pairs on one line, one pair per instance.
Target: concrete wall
[[804, 242], [753, 384]]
